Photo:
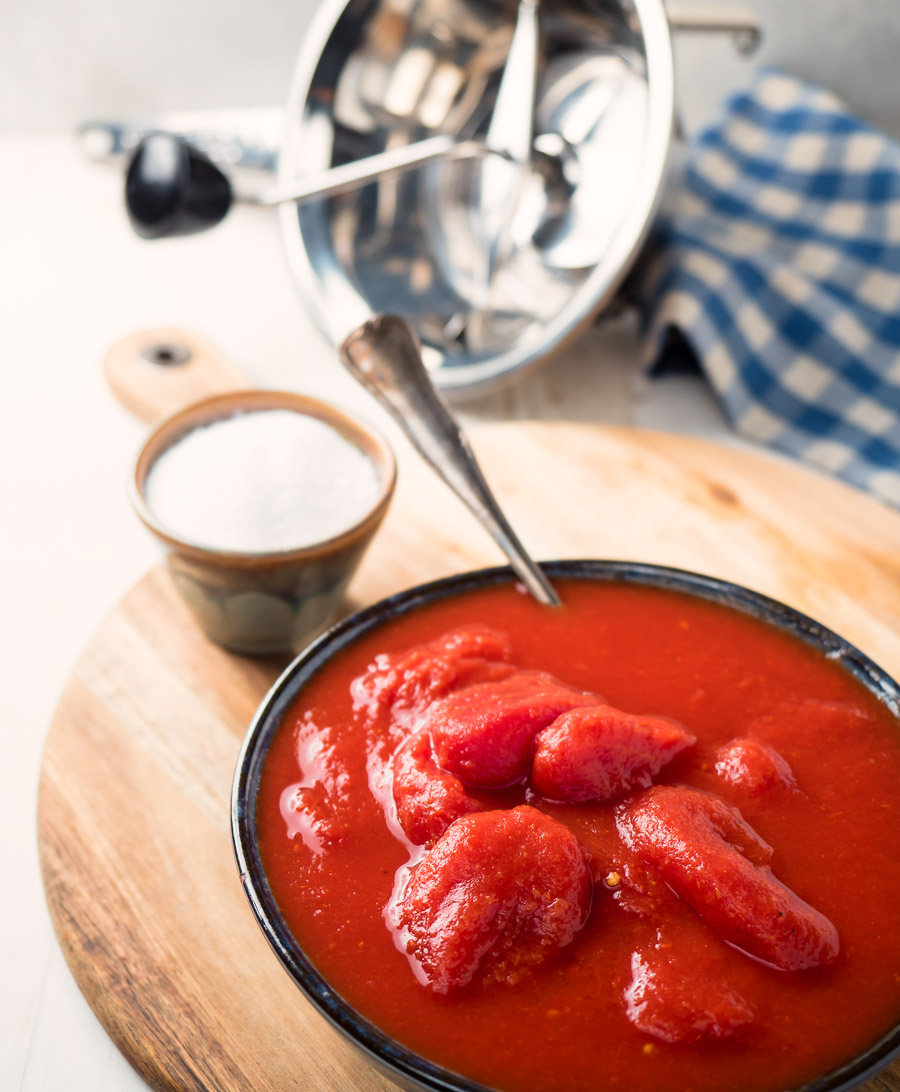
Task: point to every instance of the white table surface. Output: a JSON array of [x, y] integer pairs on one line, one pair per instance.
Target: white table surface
[[73, 280]]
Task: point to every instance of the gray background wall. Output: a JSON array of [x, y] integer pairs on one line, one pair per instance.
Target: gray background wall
[[62, 61]]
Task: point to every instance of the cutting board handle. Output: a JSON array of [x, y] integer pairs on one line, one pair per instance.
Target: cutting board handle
[[156, 372]]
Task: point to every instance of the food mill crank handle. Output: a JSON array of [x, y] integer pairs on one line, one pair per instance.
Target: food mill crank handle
[[384, 356], [156, 372]]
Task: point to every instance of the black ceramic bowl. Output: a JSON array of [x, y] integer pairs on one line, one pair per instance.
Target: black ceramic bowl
[[401, 1065]]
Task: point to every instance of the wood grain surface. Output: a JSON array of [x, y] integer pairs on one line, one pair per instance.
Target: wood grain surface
[[134, 829], [155, 372]]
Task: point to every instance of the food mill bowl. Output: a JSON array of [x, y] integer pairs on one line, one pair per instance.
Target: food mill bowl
[[767, 653], [263, 601], [379, 74]]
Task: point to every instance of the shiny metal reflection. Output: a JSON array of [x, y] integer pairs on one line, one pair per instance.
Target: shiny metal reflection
[[378, 74], [385, 357]]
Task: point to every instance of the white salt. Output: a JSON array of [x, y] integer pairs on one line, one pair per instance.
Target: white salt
[[261, 481]]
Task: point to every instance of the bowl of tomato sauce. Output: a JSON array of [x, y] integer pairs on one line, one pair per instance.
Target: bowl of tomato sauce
[[646, 841]]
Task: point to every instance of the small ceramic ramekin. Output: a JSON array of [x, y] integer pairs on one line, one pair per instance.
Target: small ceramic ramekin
[[263, 603]]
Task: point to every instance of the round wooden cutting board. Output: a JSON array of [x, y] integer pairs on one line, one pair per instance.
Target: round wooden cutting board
[[134, 822]]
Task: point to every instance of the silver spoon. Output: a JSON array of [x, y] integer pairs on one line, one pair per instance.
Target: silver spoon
[[384, 355]]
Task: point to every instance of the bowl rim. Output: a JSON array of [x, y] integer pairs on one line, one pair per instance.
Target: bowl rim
[[401, 1063], [165, 433]]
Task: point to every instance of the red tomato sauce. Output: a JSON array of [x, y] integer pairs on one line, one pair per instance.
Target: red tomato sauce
[[824, 762]]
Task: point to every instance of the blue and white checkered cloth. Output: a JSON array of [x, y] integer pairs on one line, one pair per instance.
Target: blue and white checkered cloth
[[780, 267]]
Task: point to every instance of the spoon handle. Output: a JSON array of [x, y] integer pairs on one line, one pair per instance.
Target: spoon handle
[[385, 357]]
